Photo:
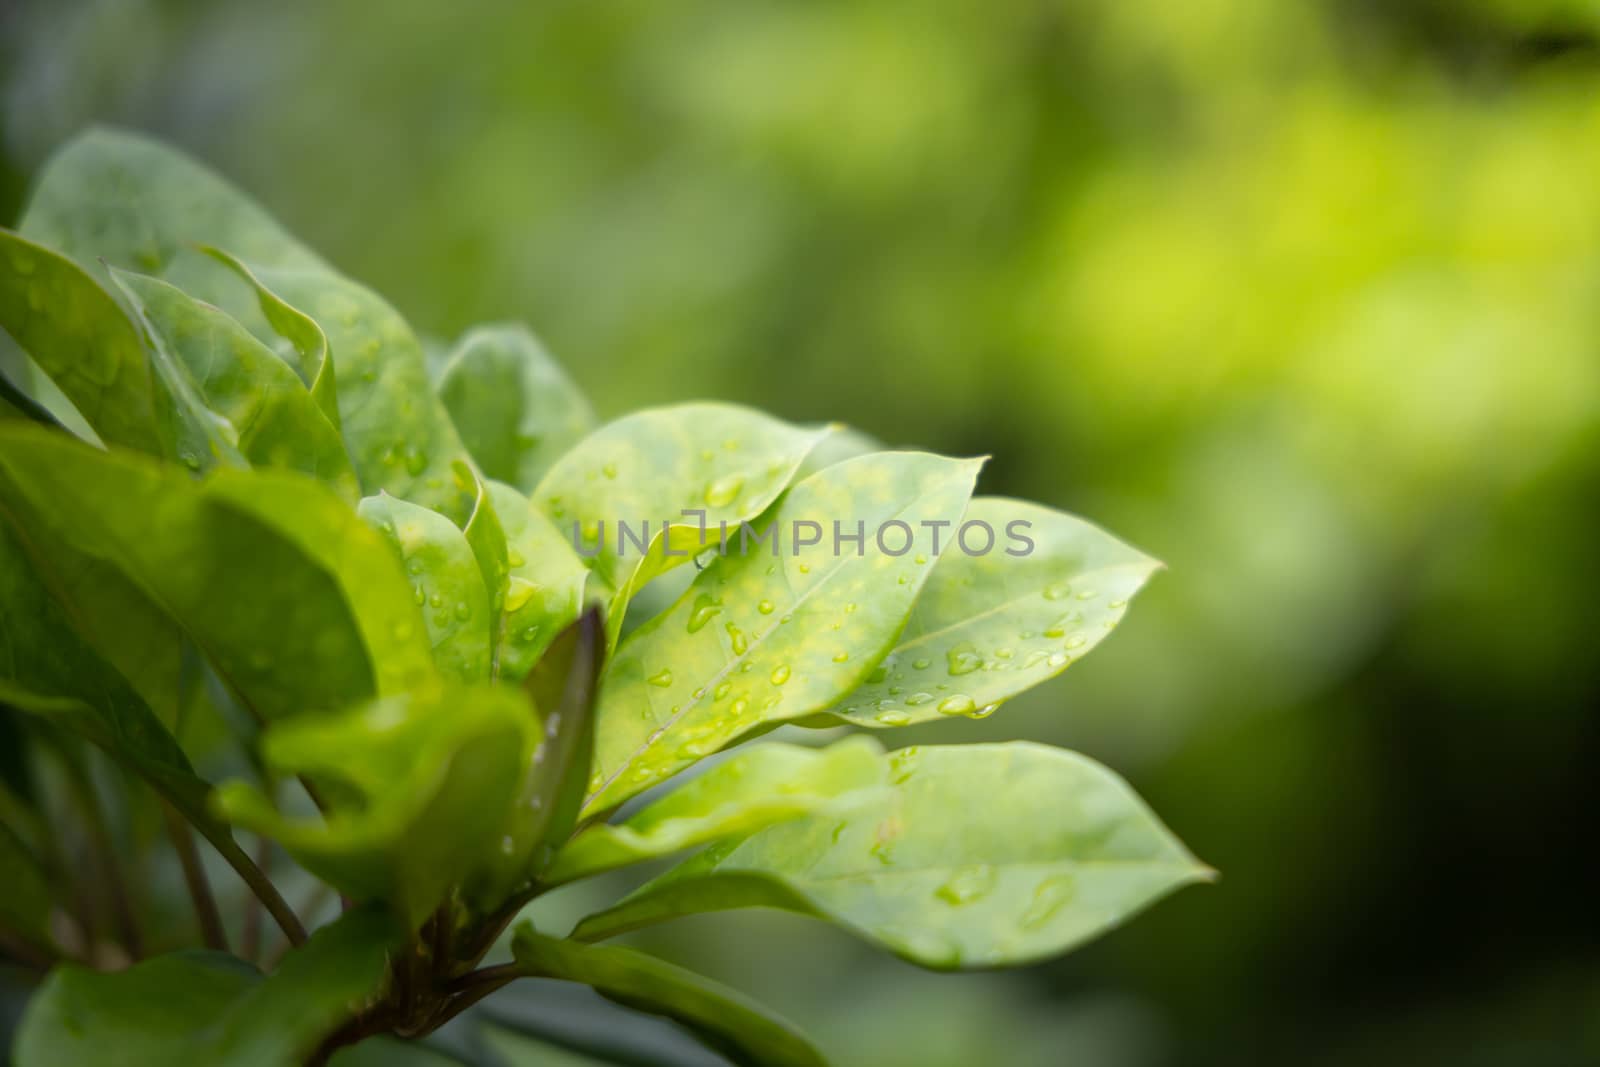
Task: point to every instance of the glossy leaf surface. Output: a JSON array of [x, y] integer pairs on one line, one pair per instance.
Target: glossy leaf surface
[[980, 856], [992, 625], [763, 637], [751, 789], [727, 463]]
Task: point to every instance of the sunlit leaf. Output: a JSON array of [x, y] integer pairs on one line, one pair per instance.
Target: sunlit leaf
[[761, 637], [447, 583], [208, 1008], [989, 625], [981, 855], [724, 1018], [545, 586], [724, 463], [397, 431], [515, 407], [753, 788]]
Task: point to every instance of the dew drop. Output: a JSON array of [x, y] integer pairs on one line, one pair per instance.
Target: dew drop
[[765, 607], [1048, 898], [967, 884], [737, 640], [723, 491], [463, 610], [957, 704], [1088, 594], [840, 657], [963, 659], [661, 679], [916, 700], [1057, 591], [780, 674], [609, 470], [705, 609], [518, 593], [722, 690], [1075, 641], [893, 718], [922, 664]]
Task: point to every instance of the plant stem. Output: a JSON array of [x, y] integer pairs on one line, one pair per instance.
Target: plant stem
[[259, 884], [194, 875], [104, 849], [250, 928]]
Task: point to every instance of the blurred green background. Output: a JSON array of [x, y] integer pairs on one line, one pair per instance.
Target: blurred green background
[[1298, 295]]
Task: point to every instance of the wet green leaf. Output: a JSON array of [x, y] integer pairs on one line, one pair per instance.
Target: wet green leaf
[[981, 855], [207, 1007], [397, 431], [563, 687], [726, 463], [447, 583], [987, 627], [270, 417], [309, 344], [545, 586], [292, 597], [753, 788], [760, 638], [515, 407], [727, 1020], [430, 777], [113, 195], [77, 335]]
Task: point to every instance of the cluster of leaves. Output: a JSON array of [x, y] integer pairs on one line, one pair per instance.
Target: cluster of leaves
[[255, 530]]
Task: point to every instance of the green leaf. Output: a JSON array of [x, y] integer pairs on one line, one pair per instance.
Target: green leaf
[[726, 462], [46, 670], [760, 638], [309, 344], [77, 335], [112, 195], [398, 433], [209, 1008], [725, 1019], [134, 203], [986, 627], [563, 686], [268, 414], [289, 594], [751, 789], [448, 583], [17, 404], [430, 776], [981, 855], [545, 587], [515, 407], [486, 536]]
